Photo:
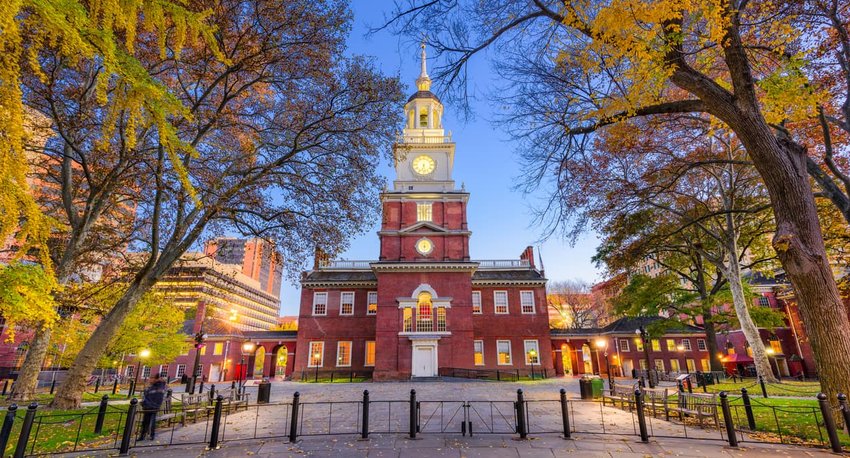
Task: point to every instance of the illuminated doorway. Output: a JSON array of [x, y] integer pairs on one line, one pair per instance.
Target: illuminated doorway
[[587, 358], [259, 359], [280, 361], [566, 359]]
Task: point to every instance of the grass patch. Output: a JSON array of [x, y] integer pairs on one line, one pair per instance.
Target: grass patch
[[787, 388]]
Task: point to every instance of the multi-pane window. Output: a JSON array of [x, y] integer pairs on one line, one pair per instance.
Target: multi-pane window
[[624, 344], [346, 303], [317, 354], [659, 365], [370, 353], [146, 371], [407, 314], [656, 345], [343, 354], [764, 301], [218, 348], [701, 345], [423, 212], [643, 365], [671, 345], [476, 302], [163, 370], [687, 344], [526, 299], [776, 345], [500, 299], [705, 365], [181, 370], [424, 318], [131, 371], [532, 352], [320, 303], [478, 348], [503, 349], [441, 319], [199, 370], [691, 366], [372, 303], [674, 365]]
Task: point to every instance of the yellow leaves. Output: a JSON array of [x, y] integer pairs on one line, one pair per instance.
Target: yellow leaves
[[788, 94], [26, 296]]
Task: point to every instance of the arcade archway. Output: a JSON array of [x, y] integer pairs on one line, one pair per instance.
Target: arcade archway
[[259, 360]]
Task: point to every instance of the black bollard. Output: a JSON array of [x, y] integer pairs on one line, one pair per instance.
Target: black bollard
[[641, 416], [127, 435], [727, 420], [522, 428], [132, 390], [114, 387], [52, 386], [6, 430], [565, 414], [829, 423], [748, 408], [216, 425], [763, 388], [412, 433], [293, 424], [212, 393], [101, 414], [845, 410], [5, 387], [26, 430], [364, 431], [97, 385]]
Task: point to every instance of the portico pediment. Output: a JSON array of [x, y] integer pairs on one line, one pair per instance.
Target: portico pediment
[[423, 226]]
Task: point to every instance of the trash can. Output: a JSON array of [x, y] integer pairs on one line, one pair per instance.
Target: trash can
[[597, 385], [584, 388], [264, 392]]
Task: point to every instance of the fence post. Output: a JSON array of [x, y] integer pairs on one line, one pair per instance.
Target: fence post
[[845, 409], [364, 425], [216, 424], [128, 428], [644, 435], [829, 423], [748, 408], [763, 388], [52, 386], [115, 387], [101, 414], [97, 385], [727, 419], [233, 385], [412, 414], [5, 387], [565, 414], [132, 390], [6, 430], [293, 424], [498, 375], [522, 428], [202, 387], [212, 393], [26, 429]]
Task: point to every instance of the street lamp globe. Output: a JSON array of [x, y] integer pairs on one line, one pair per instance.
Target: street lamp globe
[[144, 353], [601, 343], [248, 347]]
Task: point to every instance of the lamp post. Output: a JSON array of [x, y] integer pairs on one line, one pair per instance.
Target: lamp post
[[144, 354], [247, 349], [532, 357], [641, 331], [770, 352], [199, 338], [602, 344]]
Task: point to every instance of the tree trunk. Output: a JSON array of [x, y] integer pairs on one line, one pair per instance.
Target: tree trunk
[[25, 386], [748, 327], [70, 393], [711, 341]]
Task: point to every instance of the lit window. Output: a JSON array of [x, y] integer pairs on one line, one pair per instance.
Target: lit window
[[671, 345], [408, 319], [203, 350], [656, 345], [749, 350], [503, 348], [624, 345], [343, 354], [500, 299], [639, 344], [730, 350], [218, 349], [701, 345], [526, 299], [532, 352], [674, 365], [478, 348], [317, 354], [659, 365], [691, 366], [687, 344], [706, 367], [441, 319], [424, 311], [476, 302], [776, 345], [320, 303], [346, 303], [181, 370], [372, 306], [370, 353], [423, 212]]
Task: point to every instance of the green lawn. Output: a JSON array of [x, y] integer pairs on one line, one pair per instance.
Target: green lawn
[[786, 388]]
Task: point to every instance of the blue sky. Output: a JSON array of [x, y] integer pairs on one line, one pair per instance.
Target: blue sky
[[499, 217]]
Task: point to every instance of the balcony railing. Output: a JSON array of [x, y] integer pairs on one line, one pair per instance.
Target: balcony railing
[[344, 265], [436, 139], [503, 263]]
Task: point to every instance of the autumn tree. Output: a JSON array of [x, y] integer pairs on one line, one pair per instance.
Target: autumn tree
[[574, 303], [286, 136], [573, 69]]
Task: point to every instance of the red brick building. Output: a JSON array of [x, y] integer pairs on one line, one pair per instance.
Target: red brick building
[[423, 306]]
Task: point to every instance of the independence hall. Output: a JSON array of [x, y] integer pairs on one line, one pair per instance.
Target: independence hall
[[424, 306]]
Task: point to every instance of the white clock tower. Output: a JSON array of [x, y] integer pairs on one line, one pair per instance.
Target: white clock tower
[[424, 154]]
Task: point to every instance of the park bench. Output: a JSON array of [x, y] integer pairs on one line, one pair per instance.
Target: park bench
[[231, 400], [194, 405], [655, 400], [620, 393], [167, 412], [700, 405]]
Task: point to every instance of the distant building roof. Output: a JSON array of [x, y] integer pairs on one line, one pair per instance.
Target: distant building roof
[[627, 325]]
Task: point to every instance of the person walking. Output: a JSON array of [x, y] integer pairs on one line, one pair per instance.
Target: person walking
[[152, 399]]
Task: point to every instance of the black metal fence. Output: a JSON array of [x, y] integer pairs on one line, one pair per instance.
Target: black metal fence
[[331, 376], [214, 421], [507, 375]]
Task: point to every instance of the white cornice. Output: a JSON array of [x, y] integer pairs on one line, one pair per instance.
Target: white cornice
[[540, 282], [432, 266], [340, 283]]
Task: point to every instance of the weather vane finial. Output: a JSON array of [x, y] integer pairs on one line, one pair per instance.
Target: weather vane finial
[[424, 72]]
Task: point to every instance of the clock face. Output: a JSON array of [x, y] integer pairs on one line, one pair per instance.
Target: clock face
[[424, 246], [423, 165]]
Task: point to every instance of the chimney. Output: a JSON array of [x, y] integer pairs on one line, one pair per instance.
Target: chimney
[[320, 258], [528, 255]]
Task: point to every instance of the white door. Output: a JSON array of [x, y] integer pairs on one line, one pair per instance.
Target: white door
[[627, 367], [215, 372], [423, 362]]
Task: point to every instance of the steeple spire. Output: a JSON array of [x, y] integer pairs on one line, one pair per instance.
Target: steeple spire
[[423, 83]]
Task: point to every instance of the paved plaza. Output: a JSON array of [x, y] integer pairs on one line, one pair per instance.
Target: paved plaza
[[600, 431]]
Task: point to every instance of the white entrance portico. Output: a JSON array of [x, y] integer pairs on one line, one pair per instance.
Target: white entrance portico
[[424, 323], [424, 362]]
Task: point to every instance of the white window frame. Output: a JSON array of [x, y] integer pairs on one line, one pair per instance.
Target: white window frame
[[674, 366], [659, 362], [342, 295], [321, 351], [496, 303], [200, 372], [130, 370], [510, 353], [369, 301], [366, 354], [316, 296], [686, 343], [181, 370], [146, 372], [218, 348], [690, 365], [163, 368], [481, 343], [523, 305], [525, 347], [477, 308], [702, 345], [620, 345], [424, 211], [350, 347]]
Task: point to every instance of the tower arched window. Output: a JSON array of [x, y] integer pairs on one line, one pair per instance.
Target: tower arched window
[[423, 117], [424, 313]]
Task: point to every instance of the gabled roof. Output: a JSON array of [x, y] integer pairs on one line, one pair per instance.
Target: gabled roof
[[424, 224]]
